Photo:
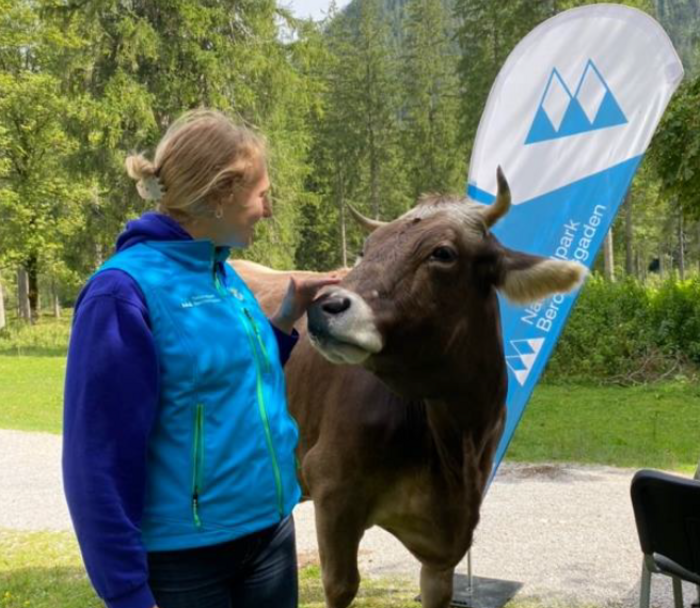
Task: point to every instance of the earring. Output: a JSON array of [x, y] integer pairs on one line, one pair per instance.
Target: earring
[[219, 213]]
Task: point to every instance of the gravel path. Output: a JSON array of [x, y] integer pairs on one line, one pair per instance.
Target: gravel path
[[566, 532]]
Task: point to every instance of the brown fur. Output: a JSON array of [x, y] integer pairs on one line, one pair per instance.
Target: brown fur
[[406, 440]]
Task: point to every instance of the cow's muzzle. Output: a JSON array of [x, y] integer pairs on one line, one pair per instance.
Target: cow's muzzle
[[342, 327]]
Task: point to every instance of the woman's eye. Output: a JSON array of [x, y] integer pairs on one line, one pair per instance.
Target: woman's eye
[[443, 254]]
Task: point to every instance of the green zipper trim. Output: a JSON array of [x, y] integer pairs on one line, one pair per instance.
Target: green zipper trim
[[266, 358], [198, 458], [266, 422], [261, 399], [217, 283]]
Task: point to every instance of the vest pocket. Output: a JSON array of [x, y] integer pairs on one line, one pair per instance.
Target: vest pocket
[[197, 462]]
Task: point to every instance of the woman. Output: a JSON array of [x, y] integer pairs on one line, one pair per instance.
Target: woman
[[178, 453]]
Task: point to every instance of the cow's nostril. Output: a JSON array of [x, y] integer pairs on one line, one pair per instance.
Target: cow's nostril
[[334, 306]]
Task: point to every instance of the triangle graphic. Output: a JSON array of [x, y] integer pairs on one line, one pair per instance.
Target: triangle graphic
[[609, 114], [526, 357], [529, 360], [536, 344], [521, 376], [574, 121], [541, 129]]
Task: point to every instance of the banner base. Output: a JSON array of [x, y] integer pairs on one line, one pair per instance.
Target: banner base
[[483, 592]]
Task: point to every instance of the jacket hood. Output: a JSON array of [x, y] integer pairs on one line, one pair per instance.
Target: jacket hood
[[151, 226]]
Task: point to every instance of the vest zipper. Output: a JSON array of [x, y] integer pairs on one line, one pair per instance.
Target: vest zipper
[[265, 419], [259, 389], [198, 458], [266, 359]]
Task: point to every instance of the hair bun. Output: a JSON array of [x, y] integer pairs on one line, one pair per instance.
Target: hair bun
[[143, 172]]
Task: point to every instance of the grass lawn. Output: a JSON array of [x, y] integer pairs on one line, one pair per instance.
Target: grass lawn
[[644, 426], [655, 426], [44, 570], [31, 393]]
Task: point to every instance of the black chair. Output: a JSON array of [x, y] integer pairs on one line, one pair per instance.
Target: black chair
[[667, 512]]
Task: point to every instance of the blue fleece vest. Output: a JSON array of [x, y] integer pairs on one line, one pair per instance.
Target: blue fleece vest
[[221, 455]]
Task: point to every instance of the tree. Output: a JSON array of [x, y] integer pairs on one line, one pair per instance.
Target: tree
[[431, 101], [675, 149], [356, 152], [486, 33], [39, 206]]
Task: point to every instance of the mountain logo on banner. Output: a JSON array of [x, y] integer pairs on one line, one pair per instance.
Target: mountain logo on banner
[[561, 114], [522, 361]]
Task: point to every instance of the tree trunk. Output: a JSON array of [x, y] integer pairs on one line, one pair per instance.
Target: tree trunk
[[33, 275], [99, 255], [3, 321], [609, 259], [23, 295], [681, 247], [56, 301], [640, 270], [343, 235], [629, 236], [343, 227]]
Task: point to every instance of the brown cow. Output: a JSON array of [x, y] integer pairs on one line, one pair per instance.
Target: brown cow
[[400, 389]]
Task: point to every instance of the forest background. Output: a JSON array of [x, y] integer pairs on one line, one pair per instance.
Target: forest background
[[370, 107]]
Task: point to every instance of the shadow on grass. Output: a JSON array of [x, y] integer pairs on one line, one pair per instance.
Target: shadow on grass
[[373, 593], [33, 351], [52, 587]]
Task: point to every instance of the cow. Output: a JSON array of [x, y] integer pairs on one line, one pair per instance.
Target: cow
[[399, 383]]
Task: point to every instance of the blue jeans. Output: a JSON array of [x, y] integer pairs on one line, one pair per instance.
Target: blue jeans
[[255, 571]]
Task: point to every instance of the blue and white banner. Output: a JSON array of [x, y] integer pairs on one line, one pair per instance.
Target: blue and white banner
[[569, 119]]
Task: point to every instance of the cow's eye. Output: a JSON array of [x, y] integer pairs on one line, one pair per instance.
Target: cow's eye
[[443, 254]]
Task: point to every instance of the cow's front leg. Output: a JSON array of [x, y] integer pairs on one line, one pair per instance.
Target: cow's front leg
[[339, 528], [436, 587]]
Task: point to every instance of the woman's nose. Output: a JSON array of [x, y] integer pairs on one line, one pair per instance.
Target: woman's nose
[[267, 207]]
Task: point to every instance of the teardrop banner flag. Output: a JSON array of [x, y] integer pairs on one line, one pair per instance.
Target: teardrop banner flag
[[569, 118]]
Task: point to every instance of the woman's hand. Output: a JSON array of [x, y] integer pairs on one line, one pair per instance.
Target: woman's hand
[[300, 294]]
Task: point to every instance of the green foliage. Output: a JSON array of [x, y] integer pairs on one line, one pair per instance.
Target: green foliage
[[675, 149], [681, 19], [431, 94], [47, 338], [371, 108], [627, 332], [487, 32]]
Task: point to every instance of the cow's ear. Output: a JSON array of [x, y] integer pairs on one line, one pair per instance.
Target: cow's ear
[[524, 278]]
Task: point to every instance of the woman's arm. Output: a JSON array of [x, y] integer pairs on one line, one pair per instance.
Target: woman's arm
[[111, 398]]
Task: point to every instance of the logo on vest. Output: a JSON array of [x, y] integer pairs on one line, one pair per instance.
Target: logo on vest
[[195, 301], [591, 108], [522, 362], [236, 294]]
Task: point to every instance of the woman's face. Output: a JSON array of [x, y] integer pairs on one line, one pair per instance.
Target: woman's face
[[242, 212]]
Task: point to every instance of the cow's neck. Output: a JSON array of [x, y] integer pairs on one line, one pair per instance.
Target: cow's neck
[[461, 418]]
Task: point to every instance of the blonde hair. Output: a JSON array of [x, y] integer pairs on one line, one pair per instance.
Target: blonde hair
[[202, 157]]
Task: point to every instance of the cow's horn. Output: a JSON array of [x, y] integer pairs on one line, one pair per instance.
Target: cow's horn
[[501, 205], [367, 224]]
